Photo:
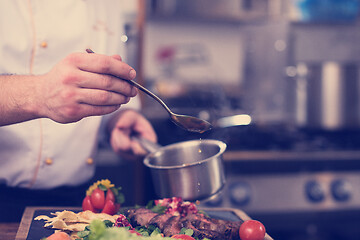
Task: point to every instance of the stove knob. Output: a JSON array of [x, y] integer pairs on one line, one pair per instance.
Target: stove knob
[[314, 191], [240, 193], [341, 190]]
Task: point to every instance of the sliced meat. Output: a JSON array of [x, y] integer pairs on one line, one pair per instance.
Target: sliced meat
[[202, 225], [211, 228], [172, 226], [202, 222], [139, 216], [202, 233], [160, 220], [235, 230], [229, 228]]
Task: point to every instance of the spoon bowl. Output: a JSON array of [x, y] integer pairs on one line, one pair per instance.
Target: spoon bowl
[[190, 123]]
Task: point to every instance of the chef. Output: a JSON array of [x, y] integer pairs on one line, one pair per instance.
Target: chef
[[54, 98]]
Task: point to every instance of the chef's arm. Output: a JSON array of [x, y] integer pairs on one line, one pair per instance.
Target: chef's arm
[[80, 85], [17, 103]]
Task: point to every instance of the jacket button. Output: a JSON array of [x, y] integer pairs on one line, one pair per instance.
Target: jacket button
[[90, 161], [49, 161], [43, 44]]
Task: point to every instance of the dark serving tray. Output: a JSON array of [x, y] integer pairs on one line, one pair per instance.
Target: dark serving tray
[[30, 229]]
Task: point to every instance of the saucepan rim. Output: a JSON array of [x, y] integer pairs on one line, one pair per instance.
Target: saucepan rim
[[222, 147]]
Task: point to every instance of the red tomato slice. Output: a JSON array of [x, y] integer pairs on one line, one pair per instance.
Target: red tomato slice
[[109, 208], [86, 204], [97, 198], [182, 236], [59, 236], [110, 196], [252, 230]]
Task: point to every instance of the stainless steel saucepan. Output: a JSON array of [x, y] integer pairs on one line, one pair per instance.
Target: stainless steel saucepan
[[192, 170]]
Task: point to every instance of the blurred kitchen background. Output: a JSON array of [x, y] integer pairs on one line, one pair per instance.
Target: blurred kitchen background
[[279, 80]]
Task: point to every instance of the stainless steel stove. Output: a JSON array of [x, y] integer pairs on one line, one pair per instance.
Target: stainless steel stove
[[292, 191], [301, 183], [296, 178]]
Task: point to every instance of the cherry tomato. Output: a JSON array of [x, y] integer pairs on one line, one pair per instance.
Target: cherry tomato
[[86, 204], [110, 208], [97, 198], [110, 196], [252, 230], [59, 236], [182, 236]]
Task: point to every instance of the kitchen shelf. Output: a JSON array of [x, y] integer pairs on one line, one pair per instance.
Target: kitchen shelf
[[205, 19], [238, 156], [324, 23], [227, 11]]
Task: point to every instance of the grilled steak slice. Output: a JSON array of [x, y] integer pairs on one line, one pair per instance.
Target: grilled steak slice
[[203, 233], [172, 226], [211, 228], [139, 216], [227, 227], [202, 225], [160, 220]]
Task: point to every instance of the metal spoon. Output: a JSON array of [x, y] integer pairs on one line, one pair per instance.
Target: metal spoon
[[186, 122]]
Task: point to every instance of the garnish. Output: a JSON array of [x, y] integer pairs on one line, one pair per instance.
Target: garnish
[[122, 221], [98, 230], [187, 231], [104, 197], [104, 184], [151, 230], [175, 206]]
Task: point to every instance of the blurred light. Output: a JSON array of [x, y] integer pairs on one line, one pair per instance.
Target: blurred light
[[332, 94], [291, 71], [124, 38], [280, 45], [302, 69], [204, 115], [236, 120]]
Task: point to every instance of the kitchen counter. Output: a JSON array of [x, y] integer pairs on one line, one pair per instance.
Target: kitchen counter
[[8, 230], [27, 229]]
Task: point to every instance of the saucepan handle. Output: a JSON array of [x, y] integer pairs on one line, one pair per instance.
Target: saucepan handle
[[148, 145]]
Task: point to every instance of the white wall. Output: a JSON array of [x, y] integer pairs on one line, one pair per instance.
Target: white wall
[[220, 44]]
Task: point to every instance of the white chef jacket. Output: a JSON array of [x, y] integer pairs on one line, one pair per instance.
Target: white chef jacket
[[34, 36]]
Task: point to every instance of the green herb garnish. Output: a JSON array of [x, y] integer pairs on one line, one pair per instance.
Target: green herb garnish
[[187, 231]]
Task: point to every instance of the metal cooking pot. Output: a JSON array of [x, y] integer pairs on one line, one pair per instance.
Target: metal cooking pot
[[192, 170], [327, 95]]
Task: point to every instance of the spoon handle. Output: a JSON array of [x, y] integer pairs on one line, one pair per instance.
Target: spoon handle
[[148, 92], [145, 90], [149, 146]]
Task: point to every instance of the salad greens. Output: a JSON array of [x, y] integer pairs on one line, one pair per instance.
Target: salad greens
[[155, 208], [122, 229], [105, 230], [97, 230]]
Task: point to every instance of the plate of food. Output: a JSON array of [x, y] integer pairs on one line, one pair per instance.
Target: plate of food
[[161, 219]]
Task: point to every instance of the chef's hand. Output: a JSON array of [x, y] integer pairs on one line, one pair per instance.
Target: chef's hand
[[126, 124], [84, 85]]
